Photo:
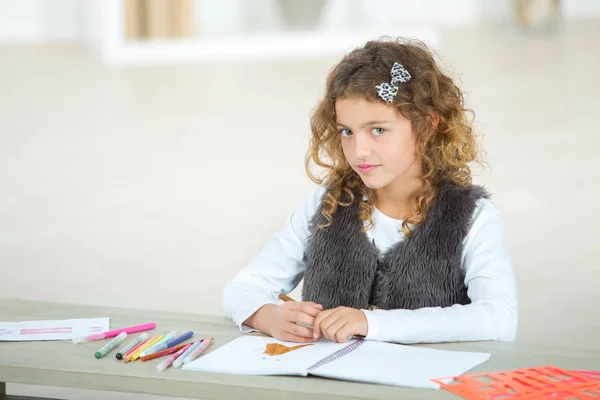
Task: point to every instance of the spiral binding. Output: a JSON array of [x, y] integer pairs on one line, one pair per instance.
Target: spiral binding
[[340, 353]]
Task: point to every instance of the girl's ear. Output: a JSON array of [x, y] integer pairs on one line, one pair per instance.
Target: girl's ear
[[433, 120]]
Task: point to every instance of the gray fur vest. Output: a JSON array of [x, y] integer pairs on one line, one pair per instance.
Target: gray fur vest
[[343, 268]]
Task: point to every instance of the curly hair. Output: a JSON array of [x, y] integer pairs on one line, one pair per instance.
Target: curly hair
[[434, 104]]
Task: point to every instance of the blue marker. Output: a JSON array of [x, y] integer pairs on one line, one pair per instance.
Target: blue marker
[[179, 362], [164, 346], [164, 340]]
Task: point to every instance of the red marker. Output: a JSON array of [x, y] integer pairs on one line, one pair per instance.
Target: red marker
[[162, 353]]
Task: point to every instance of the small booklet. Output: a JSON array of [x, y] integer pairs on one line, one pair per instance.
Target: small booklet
[[52, 330], [357, 360]]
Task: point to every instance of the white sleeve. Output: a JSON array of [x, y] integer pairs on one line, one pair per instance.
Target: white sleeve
[[278, 268], [489, 277]]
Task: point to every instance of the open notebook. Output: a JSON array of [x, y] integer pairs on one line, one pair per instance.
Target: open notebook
[[357, 360]]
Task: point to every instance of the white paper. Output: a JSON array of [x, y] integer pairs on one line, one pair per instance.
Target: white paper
[[245, 356], [52, 329], [394, 364], [373, 362]]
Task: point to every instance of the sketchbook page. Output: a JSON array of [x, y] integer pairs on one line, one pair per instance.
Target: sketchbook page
[[246, 355], [52, 330], [394, 364]]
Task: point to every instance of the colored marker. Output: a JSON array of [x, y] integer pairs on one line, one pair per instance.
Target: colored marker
[[109, 334], [138, 349], [179, 362], [168, 337], [196, 352], [150, 344], [111, 345], [163, 353], [164, 346], [131, 345], [165, 364], [131, 352]]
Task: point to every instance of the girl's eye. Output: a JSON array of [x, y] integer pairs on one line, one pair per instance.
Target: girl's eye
[[345, 132], [377, 131]]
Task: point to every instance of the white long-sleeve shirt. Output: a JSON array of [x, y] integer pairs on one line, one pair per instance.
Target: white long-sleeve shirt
[[489, 278]]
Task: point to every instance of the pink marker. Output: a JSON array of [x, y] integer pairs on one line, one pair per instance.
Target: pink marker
[[196, 352], [165, 364], [109, 334]]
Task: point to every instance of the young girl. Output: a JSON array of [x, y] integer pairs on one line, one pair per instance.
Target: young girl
[[395, 243]]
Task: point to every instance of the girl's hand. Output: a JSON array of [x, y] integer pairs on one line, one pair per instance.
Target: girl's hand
[[281, 321], [340, 324]]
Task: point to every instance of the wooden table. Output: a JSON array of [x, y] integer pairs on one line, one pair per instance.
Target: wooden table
[[64, 364]]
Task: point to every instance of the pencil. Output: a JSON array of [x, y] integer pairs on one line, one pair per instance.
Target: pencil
[[285, 297]]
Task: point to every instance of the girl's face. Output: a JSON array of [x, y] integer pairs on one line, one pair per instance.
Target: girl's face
[[377, 141]]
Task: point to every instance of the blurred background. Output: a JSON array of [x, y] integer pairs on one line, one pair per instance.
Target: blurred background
[[144, 136]]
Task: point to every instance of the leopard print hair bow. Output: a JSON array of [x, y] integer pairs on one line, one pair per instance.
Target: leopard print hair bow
[[387, 91]]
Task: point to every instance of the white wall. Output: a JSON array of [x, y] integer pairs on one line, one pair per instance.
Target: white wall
[[69, 20], [41, 20], [574, 9]]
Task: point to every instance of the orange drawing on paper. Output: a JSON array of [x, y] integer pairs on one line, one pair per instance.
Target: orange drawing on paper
[[276, 349]]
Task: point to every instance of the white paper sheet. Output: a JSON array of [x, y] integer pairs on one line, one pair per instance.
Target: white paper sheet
[[52, 329], [394, 364], [245, 355], [374, 362]]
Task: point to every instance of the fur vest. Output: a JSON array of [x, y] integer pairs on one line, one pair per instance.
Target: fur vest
[[344, 268]]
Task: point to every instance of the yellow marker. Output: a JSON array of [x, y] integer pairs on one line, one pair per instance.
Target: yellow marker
[[151, 343], [143, 345]]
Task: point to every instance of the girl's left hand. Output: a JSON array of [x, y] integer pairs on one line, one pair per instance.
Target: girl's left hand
[[340, 324]]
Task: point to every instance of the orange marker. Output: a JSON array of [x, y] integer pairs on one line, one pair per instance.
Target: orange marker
[[150, 343], [132, 351], [162, 353]]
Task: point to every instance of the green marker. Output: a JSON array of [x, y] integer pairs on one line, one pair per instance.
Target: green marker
[[111, 345]]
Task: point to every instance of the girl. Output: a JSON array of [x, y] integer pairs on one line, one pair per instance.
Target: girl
[[395, 243]]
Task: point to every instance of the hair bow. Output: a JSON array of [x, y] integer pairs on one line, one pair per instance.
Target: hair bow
[[388, 90]]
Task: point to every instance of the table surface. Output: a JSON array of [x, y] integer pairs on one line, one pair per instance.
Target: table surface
[[63, 364]]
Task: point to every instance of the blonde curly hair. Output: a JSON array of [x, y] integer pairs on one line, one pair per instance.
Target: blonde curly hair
[[446, 144]]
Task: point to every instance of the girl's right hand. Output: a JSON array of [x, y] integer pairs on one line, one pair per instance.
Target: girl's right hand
[[281, 321]]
